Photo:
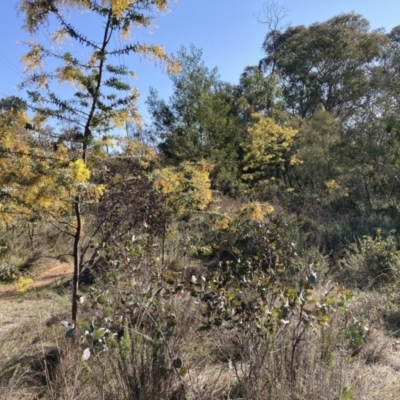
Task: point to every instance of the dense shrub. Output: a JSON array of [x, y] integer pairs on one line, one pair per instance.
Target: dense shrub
[[372, 261], [9, 272]]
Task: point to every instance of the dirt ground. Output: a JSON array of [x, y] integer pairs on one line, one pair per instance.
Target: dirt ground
[[34, 306], [45, 274]]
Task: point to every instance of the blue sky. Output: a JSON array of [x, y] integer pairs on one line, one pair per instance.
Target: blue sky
[[227, 31]]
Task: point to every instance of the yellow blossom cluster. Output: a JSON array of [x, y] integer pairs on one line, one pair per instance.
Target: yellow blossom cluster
[[79, 172], [118, 7], [23, 284], [249, 212], [270, 145], [186, 187], [139, 151]]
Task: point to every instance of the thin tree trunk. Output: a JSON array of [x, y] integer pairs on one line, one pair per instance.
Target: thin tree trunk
[[77, 259], [87, 136]]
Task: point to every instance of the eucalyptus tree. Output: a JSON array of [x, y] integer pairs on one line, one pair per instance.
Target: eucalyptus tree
[[326, 65], [258, 93]]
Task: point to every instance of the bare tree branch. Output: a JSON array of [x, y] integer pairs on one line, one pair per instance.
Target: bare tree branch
[[272, 14]]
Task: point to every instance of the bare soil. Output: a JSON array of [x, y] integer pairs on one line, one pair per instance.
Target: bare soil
[[45, 274]]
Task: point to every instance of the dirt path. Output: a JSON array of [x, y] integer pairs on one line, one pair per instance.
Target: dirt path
[[45, 274]]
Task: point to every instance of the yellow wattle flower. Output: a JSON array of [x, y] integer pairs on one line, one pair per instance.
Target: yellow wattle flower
[[79, 172]]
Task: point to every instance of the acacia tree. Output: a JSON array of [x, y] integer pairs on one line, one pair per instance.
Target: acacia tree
[[268, 153], [82, 121], [33, 174]]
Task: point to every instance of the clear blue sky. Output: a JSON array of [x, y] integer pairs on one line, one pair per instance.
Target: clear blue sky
[[226, 30]]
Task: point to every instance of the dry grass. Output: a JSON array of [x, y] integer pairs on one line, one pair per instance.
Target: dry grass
[[36, 361], [25, 342]]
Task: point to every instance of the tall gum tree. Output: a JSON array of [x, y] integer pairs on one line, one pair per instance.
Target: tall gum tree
[[100, 97], [326, 65]]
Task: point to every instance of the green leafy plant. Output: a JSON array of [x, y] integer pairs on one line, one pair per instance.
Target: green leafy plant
[[347, 394], [9, 272], [267, 294], [372, 260]]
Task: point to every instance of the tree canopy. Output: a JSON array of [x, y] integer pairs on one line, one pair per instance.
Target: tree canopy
[[325, 65]]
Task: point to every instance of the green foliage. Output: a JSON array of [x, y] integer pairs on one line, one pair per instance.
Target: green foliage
[[16, 266], [198, 121], [319, 149], [264, 291], [258, 93], [347, 394], [356, 333], [372, 260], [325, 64], [9, 272], [228, 235]]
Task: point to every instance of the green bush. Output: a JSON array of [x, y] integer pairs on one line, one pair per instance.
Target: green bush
[[372, 261], [9, 272]]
